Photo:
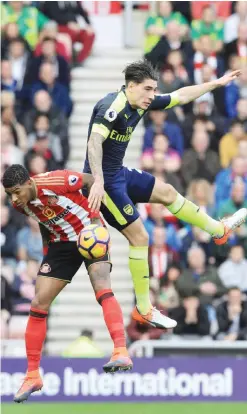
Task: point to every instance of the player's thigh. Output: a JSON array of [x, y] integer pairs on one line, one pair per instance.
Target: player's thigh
[[139, 184], [163, 193], [61, 262], [118, 209], [46, 290]]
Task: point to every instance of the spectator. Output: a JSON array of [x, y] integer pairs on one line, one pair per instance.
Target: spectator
[[232, 317], [200, 161], [238, 47], [159, 172], [17, 130], [137, 331], [168, 296], [157, 217], [58, 122], [226, 178], [233, 272], [37, 165], [41, 147], [172, 160], [175, 59], [199, 279], [62, 49], [8, 83], [233, 21], [173, 40], [242, 112], [160, 125], [156, 25], [19, 58], [168, 82], [229, 143], [8, 236], [10, 154], [235, 91], [49, 54], [83, 347], [42, 128], [58, 92], [206, 55], [29, 242], [209, 25], [160, 254], [10, 32], [7, 275], [192, 318], [204, 118], [30, 20], [67, 15]]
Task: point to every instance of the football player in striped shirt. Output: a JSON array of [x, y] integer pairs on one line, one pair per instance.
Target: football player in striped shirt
[[55, 201]]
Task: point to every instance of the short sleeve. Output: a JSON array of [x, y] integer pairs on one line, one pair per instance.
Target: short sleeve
[[59, 182], [165, 101], [104, 120]]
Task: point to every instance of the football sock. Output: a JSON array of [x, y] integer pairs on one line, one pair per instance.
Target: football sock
[[187, 211], [139, 268], [34, 337], [113, 317]]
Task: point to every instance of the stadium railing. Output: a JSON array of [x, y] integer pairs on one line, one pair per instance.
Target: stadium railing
[[151, 348]]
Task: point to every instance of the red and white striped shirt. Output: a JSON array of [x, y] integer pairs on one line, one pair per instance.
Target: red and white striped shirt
[[60, 205]]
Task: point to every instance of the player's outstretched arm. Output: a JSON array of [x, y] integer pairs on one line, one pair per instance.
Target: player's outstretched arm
[[190, 93], [95, 155]]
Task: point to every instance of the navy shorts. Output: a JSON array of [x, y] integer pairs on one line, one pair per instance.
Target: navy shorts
[[128, 187]]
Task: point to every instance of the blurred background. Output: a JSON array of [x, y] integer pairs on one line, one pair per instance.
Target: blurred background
[[57, 60]]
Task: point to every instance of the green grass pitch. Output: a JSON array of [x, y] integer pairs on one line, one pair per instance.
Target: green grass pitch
[[128, 408]]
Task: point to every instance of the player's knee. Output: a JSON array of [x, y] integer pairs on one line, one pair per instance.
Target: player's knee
[[140, 238], [40, 303], [167, 194], [99, 274]]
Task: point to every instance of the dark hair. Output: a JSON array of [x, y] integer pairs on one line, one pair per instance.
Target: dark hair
[[233, 288], [48, 39], [14, 175], [235, 121], [139, 71], [17, 39]]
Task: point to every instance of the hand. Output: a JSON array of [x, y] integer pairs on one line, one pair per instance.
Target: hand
[[74, 26], [231, 337], [224, 80], [96, 195]]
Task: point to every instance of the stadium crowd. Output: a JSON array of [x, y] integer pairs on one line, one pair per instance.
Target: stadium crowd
[[201, 149]]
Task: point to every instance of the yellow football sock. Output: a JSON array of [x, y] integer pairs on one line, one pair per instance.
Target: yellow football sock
[[187, 211], [138, 264]]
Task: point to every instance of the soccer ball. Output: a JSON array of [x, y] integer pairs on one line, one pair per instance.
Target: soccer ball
[[93, 242]]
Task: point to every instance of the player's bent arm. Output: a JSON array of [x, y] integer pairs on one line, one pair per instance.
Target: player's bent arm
[[95, 155]]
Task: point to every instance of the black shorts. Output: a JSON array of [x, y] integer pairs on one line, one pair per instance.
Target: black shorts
[[63, 260]]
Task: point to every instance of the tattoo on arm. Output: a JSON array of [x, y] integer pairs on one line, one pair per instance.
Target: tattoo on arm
[[45, 235], [95, 154]]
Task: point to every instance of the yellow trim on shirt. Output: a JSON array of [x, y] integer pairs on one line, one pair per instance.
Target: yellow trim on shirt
[[174, 100], [101, 129]]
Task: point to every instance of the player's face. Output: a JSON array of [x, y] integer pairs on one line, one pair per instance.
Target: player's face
[[20, 195], [142, 94]]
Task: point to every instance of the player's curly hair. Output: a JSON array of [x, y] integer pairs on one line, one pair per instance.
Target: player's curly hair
[[139, 71], [14, 175]]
